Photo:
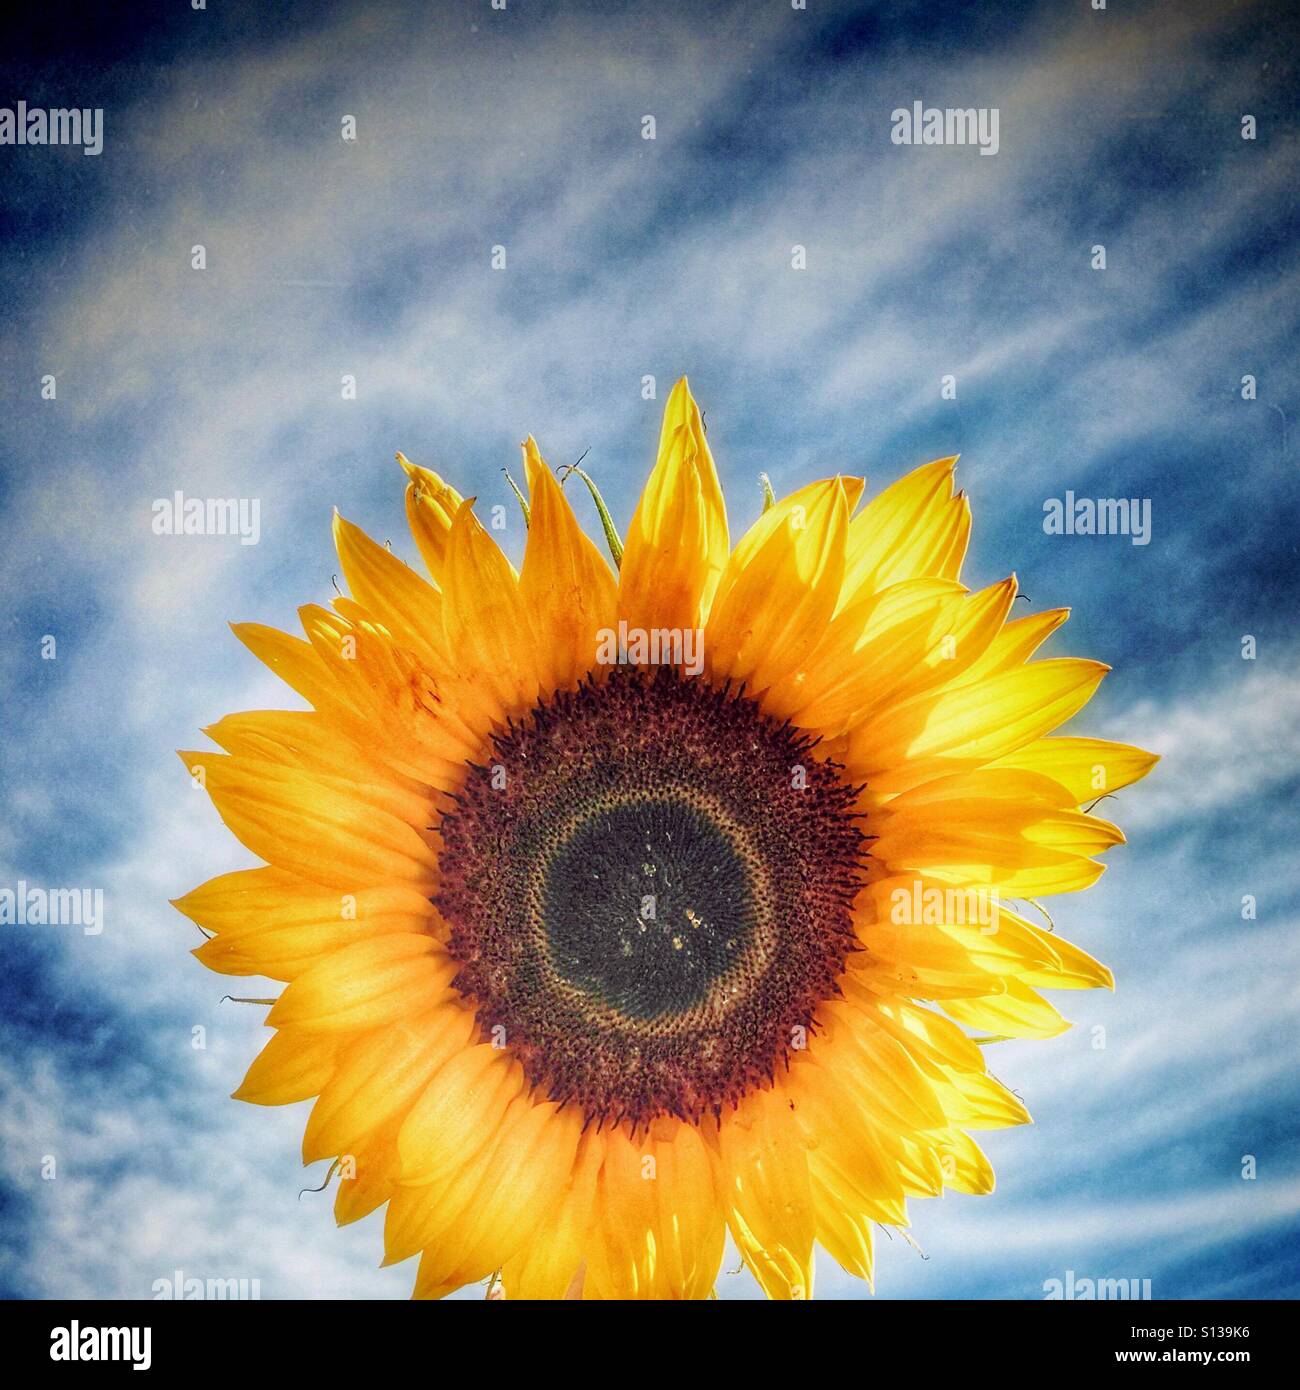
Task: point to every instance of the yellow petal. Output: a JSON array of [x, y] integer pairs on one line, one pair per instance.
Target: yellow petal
[[380, 1075], [1019, 1012], [872, 646], [1088, 767], [846, 1235], [877, 1070], [998, 829], [689, 1229], [530, 1164], [658, 1230], [273, 923], [366, 986], [919, 920], [391, 591], [462, 1103], [419, 1215], [326, 830], [368, 1173], [845, 1156], [677, 543], [927, 654], [421, 725], [291, 1067], [1016, 643], [311, 743], [478, 1097], [966, 1169], [954, 1067], [953, 730], [294, 661], [255, 901], [431, 505], [936, 1045], [915, 528], [622, 1260], [303, 739], [567, 586], [918, 959], [553, 1263], [780, 587], [486, 618], [1074, 968], [764, 1185]]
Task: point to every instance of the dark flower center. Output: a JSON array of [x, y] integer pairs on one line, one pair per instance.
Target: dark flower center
[[647, 906], [649, 890]]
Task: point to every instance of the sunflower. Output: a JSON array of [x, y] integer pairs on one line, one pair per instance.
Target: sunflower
[[622, 908]]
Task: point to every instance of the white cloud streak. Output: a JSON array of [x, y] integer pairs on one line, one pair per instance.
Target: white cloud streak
[[373, 260]]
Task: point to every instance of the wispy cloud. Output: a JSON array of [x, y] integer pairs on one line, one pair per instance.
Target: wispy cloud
[[628, 257], [1231, 747]]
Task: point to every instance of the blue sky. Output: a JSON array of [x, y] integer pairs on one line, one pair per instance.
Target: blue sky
[[628, 258]]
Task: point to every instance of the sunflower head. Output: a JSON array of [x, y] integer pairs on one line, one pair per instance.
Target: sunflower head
[[651, 910], [620, 909]]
